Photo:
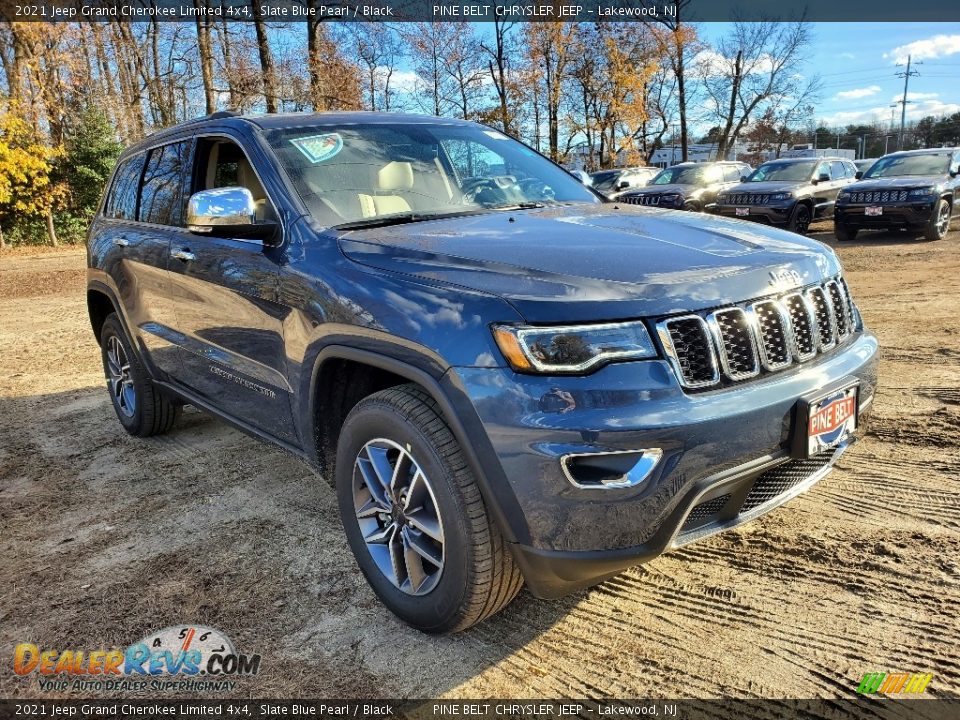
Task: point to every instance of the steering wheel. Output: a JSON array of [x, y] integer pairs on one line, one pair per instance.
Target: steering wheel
[[534, 188], [475, 186]]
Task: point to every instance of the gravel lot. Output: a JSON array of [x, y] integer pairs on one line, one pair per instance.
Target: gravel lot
[[104, 537]]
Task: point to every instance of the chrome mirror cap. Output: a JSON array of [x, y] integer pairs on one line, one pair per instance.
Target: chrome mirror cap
[[222, 207]]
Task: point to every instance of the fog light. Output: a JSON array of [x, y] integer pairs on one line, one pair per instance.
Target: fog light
[[610, 470]]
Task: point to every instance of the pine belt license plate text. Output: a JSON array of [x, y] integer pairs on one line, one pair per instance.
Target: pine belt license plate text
[[831, 420], [741, 212], [874, 211]]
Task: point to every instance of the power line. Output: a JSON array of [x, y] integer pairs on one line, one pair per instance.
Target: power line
[[903, 103]]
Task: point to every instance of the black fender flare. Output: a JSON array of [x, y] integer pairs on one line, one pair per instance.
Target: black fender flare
[[443, 385]]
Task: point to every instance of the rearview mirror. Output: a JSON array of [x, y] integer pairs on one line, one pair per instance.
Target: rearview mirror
[[227, 212], [858, 175]]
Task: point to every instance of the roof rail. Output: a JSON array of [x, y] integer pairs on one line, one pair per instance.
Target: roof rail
[[221, 115]]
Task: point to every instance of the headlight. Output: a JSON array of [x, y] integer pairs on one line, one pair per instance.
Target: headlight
[[572, 348], [781, 196], [843, 195], [923, 192]]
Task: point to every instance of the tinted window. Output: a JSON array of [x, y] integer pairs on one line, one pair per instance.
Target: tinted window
[[851, 169], [837, 170], [122, 202], [731, 173], [162, 193]]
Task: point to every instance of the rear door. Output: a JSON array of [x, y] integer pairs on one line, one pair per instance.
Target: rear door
[[139, 249], [230, 323]]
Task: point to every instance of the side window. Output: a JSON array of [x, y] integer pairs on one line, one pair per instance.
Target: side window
[[473, 160], [822, 169], [851, 169], [161, 196], [122, 201], [731, 173], [955, 165], [838, 170]]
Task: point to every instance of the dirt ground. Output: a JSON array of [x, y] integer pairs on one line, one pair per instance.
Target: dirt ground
[[104, 537]]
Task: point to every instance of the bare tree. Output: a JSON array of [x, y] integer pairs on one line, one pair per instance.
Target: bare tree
[[267, 67], [501, 52], [377, 47], [756, 65], [679, 42], [205, 46]]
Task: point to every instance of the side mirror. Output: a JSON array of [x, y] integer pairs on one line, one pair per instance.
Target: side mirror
[[227, 212], [823, 177], [623, 184], [858, 174], [744, 177], [954, 171]]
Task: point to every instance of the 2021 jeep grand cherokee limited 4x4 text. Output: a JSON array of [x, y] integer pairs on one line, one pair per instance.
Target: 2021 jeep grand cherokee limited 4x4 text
[[504, 377]]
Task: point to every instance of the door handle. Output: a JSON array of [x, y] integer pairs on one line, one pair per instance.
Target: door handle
[[121, 242], [183, 254]]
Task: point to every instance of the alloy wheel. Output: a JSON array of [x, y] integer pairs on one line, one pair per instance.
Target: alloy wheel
[[803, 220], [119, 379], [943, 219], [398, 516]]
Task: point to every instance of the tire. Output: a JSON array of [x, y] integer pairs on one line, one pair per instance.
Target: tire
[[691, 206], [843, 233], [800, 219], [141, 408], [472, 574], [939, 224]]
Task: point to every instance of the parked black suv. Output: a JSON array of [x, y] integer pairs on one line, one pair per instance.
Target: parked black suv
[[913, 191], [688, 186], [789, 192], [505, 378]]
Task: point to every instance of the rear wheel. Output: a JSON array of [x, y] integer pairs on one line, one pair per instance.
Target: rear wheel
[[414, 516], [800, 219], [939, 224], [844, 233], [141, 408]]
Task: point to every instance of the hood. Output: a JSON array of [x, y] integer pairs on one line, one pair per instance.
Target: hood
[[587, 263], [685, 190], [766, 187], [902, 182]]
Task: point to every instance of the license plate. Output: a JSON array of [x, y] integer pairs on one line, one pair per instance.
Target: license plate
[[743, 212], [831, 420], [874, 211]]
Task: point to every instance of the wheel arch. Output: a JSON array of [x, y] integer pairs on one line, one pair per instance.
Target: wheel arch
[[323, 422]]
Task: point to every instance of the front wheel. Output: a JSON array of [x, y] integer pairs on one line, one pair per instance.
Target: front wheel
[[800, 219], [141, 408], [414, 516], [939, 224]]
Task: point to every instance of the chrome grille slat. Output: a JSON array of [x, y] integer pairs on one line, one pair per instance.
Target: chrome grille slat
[[826, 321], [736, 344], [739, 342], [773, 328]]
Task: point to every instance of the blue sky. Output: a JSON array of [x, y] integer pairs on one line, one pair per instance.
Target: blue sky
[[857, 63]]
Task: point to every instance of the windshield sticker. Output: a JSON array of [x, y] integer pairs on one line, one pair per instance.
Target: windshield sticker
[[317, 148]]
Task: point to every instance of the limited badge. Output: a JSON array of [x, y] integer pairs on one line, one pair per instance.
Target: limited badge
[[317, 148]]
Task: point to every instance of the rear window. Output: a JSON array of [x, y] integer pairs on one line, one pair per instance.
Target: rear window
[[122, 201], [161, 198]]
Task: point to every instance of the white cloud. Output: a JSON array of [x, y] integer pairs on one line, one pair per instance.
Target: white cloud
[[712, 63], [858, 93], [933, 47], [404, 81], [847, 56], [915, 96]]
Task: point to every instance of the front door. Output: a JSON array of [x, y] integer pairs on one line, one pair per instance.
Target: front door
[[230, 323]]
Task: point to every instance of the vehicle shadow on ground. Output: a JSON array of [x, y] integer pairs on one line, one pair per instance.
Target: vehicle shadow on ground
[[107, 537]]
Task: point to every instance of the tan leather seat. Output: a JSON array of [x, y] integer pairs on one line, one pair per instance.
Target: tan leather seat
[[246, 178], [392, 177]]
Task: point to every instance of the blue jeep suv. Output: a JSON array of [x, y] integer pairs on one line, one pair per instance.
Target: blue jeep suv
[[506, 378]]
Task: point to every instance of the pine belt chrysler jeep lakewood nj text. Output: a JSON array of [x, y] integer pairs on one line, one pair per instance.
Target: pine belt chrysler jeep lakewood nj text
[[506, 378]]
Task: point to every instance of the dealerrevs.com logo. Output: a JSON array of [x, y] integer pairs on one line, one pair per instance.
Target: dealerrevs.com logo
[[178, 658], [894, 683]]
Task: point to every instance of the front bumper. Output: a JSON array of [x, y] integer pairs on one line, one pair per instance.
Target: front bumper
[[912, 215], [770, 214], [713, 444]]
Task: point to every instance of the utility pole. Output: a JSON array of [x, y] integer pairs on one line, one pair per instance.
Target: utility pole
[[903, 103]]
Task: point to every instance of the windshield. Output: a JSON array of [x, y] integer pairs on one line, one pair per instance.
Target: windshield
[[783, 171], [686, 175], [896, 165], [605, 179], [371, 172]]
